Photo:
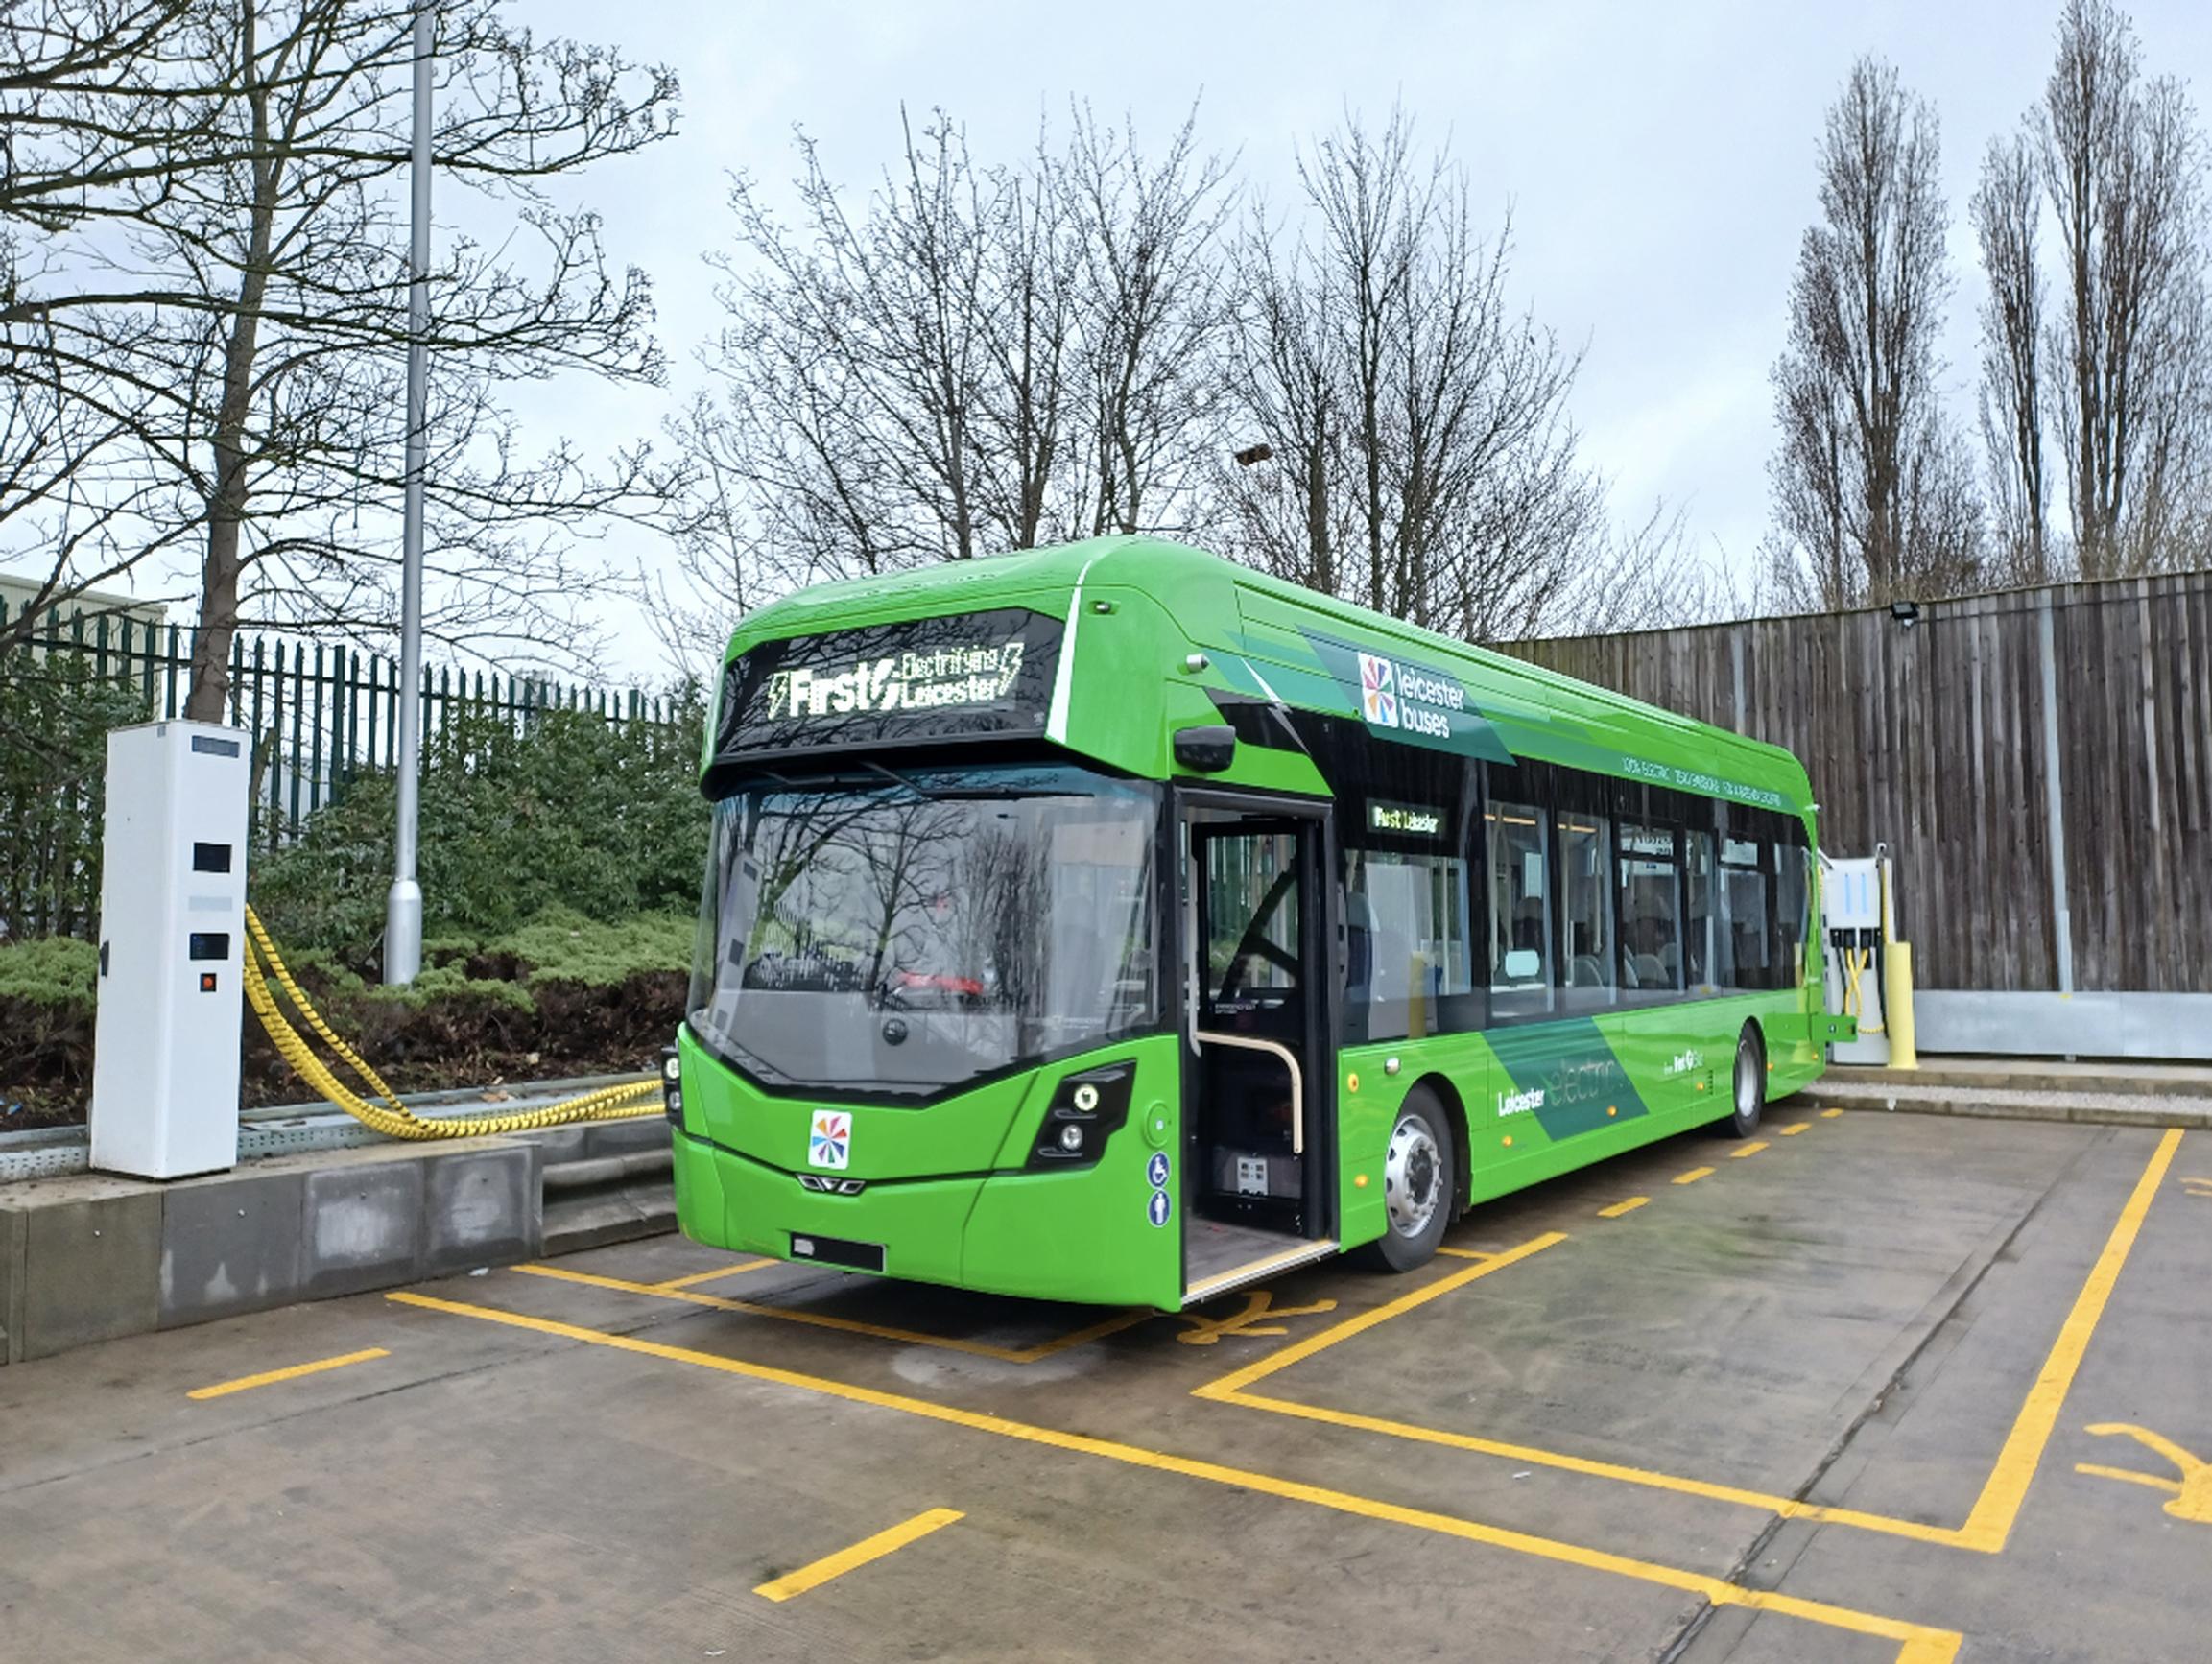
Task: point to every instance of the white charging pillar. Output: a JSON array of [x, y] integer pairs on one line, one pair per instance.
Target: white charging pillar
[[1855, 923], [171, 923]]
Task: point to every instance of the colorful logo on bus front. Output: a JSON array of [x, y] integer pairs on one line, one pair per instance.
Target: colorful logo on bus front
[[830, 1142]]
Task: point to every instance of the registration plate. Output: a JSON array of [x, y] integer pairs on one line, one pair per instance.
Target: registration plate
[[837, 1251]]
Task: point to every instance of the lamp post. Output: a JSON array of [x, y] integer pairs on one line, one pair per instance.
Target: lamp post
[[403, 906]]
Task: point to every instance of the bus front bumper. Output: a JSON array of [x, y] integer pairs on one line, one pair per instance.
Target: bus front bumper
[[1006, 1233]]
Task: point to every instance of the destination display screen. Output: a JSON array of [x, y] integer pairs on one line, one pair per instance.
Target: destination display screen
[[972, 674]]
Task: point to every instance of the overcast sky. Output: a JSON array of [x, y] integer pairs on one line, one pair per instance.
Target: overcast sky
[[1658, 160]]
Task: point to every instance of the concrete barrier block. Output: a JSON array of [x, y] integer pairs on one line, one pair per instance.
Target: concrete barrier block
[[361, 1226], [647, 1132], [480, 1207], [91, 1270], [231, 1245], [562, 1143]]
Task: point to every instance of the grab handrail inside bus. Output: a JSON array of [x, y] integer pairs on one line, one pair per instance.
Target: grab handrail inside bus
[[1290, 1062]]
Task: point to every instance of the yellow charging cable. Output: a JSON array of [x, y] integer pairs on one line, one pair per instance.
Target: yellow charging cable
[[1857, 960], [391, 1117]]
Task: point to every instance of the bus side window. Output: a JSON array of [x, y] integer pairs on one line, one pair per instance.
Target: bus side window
[[1746, 934], [1520, 859], [1699, 927], [1791, 888], [1586, 912], [1651, 918]]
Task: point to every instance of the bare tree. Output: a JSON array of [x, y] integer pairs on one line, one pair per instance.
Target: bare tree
[[1427, 465], [855, 362], [240, 310], [2121, 161], [1148, 307], [985, 357], [1641, 576], [1866, 452], [66, 487], [2006, 210]]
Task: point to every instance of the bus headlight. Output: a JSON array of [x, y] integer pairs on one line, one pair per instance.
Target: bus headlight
[[1087, 1107], [672, 1087]]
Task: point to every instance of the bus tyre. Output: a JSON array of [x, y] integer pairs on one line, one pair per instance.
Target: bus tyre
[[1747, 1085], [1418, 1185]]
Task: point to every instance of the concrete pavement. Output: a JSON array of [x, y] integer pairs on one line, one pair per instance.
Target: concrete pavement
[[1829, 1399]]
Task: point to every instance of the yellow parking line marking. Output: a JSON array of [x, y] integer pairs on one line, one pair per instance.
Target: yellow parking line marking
[[270, 1377], [1830, 1114], [1999, 1505], [719, 1271], [1743, 1150], [1620, 1207], [1466, 1253], [1693, 1175], [1987, 1525], [852, 1325], [1793, 1129], [1918, 1643], [1284, 1357], [867, 1549]]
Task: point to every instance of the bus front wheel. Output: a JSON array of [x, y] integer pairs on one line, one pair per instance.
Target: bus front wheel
[[1418, 1185], [1747, 1083]]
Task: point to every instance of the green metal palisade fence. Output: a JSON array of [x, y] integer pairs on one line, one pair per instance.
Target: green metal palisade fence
[[320, 714]]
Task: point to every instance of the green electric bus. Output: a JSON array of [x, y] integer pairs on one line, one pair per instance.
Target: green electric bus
[[1115, 923]]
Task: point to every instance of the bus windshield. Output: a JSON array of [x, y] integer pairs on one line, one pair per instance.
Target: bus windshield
[[903, 931]]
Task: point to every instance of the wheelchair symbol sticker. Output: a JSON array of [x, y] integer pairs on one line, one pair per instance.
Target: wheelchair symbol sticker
[[1157, 1169]]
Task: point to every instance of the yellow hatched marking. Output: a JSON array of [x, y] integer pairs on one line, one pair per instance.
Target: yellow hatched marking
[[1743, 1150], [1987, 1525], [1793, 1129], [270, 1377], [1918, 1643], [867, 1549], [719, 1273], [1830, 1114], [852, 1325], [1693, 1175], [1459, 1253], [1621, 1208]]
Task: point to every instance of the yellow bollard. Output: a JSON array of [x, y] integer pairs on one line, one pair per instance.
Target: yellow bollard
[[1898, 1004]]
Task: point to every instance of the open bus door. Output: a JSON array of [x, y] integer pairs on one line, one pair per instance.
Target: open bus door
[[1259, 1126]]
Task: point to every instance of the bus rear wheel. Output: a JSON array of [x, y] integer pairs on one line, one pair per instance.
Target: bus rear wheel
[[1420, 1182], [1747, 1083]]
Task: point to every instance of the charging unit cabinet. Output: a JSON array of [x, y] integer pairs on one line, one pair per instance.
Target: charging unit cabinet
[[172, 944], [1855, 910]]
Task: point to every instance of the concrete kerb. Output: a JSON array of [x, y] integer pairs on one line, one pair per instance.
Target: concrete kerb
[[2117, 1108], [89, 1257]]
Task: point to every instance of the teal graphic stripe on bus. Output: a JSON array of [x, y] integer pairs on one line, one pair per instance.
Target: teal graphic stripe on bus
[[1565, 1075]]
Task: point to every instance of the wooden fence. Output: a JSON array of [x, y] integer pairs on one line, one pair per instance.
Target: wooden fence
[[1961, 739]]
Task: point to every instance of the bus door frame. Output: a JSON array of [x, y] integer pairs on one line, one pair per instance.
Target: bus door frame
[[1320, 952]]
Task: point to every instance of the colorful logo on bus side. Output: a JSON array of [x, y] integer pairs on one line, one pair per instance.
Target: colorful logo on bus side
[[1407, 701], [1378, 691]]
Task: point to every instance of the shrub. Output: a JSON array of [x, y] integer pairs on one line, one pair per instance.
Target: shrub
[[54, 714], [566, 812]]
